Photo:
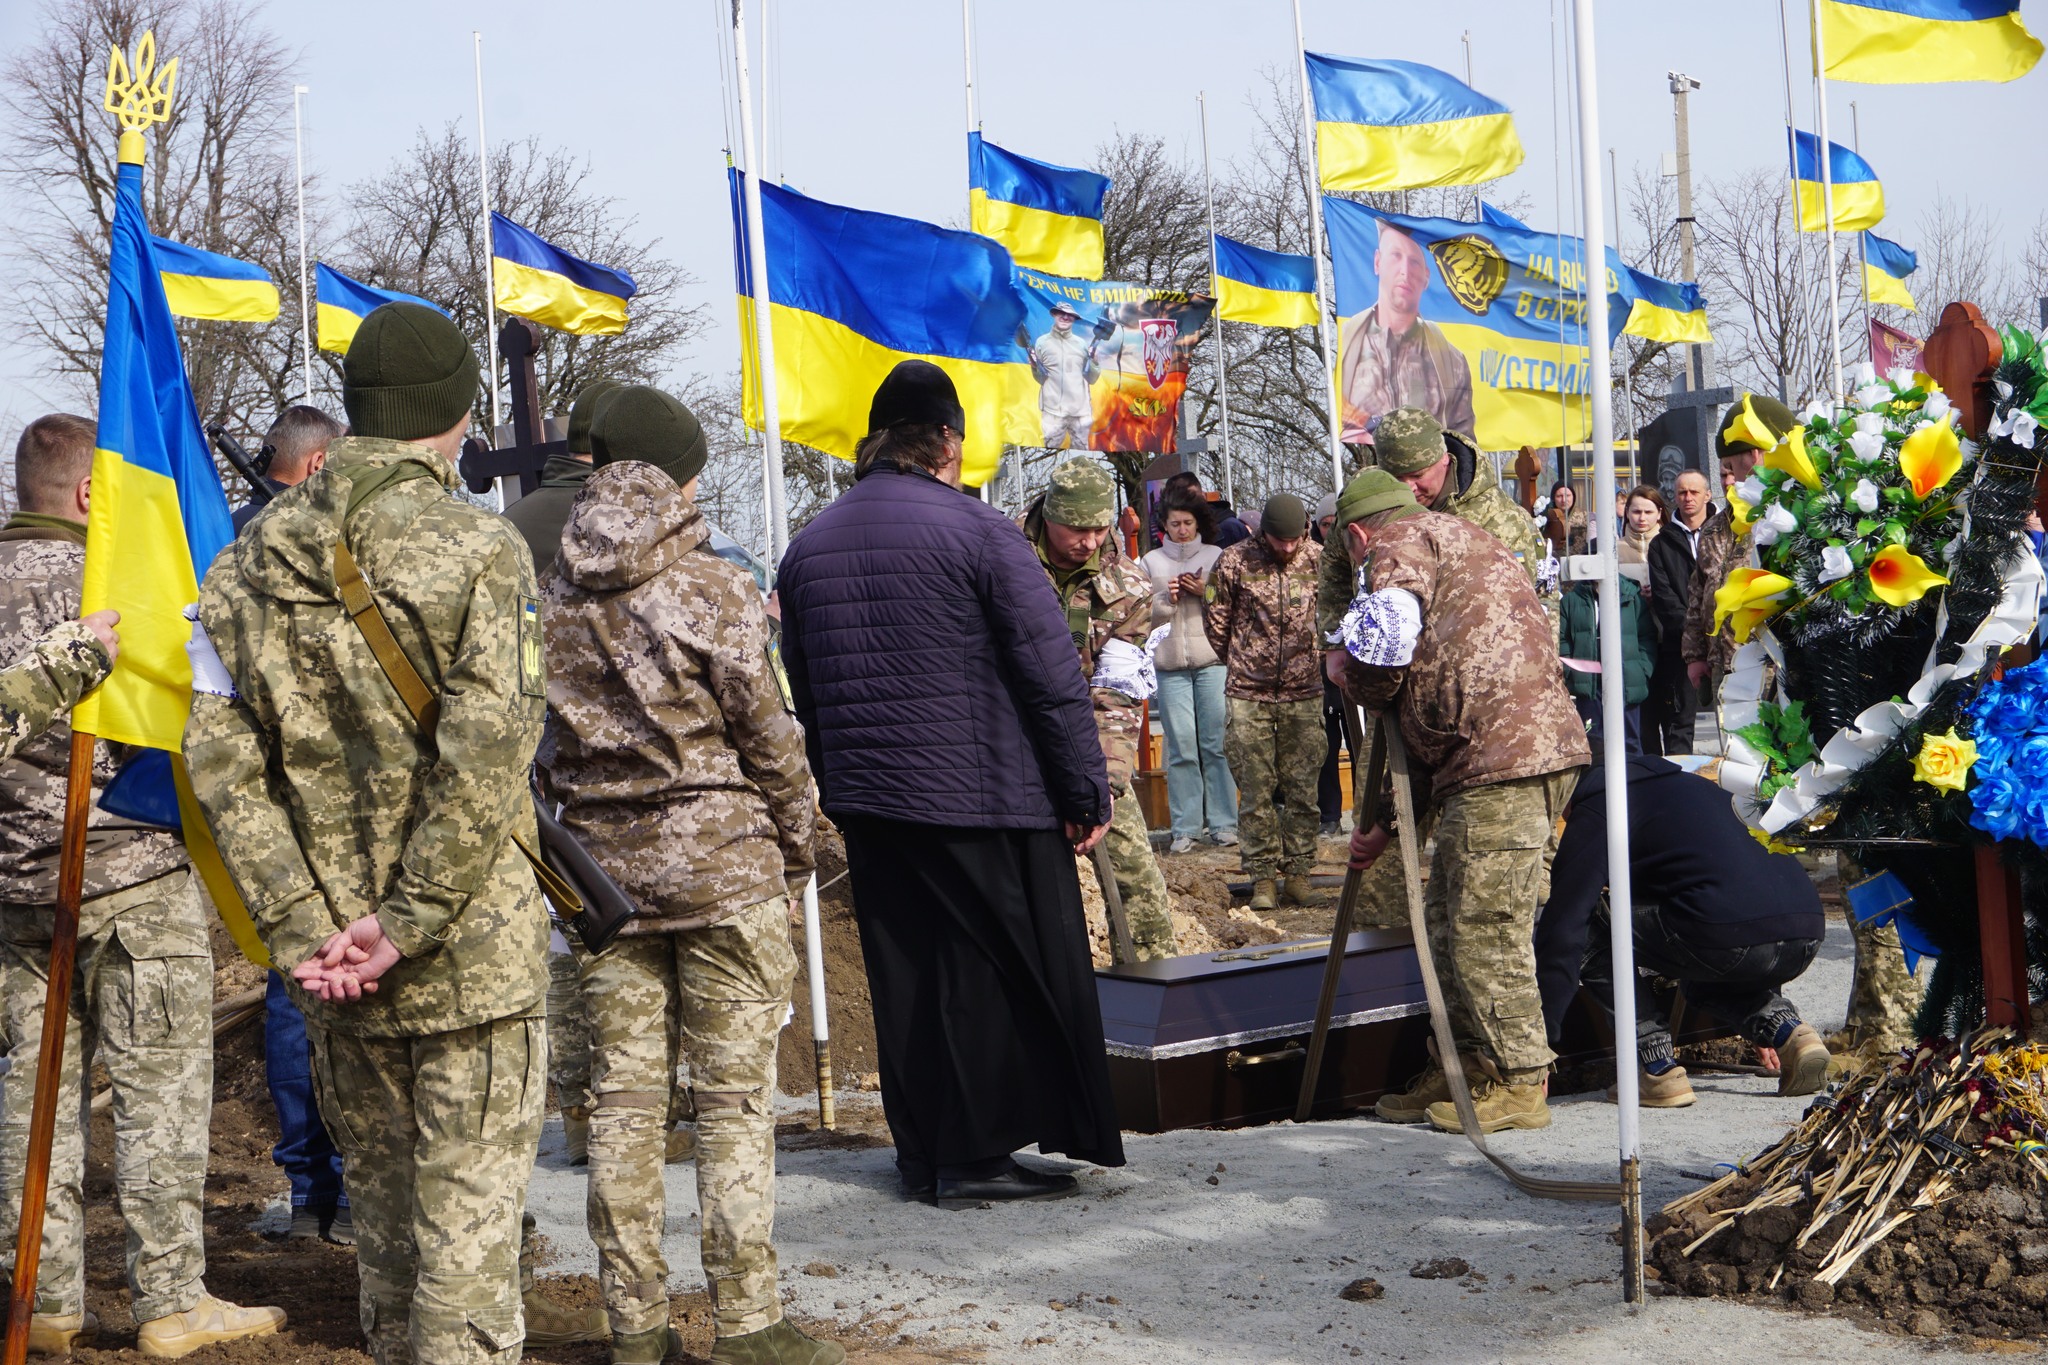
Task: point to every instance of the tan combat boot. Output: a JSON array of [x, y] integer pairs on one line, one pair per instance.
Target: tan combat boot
[[1672, 1090], [576, 1133], [206, 1323], [550, 1324], [54, 1334], [651, 1347], [1412, 1105], [1500, 1105], [781, 1344], [1802, 1062], [1265, 894], [1298, 890]]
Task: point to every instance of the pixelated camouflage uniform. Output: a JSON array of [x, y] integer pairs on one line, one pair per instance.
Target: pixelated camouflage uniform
[[1109, 598], [329, 804], [142, 992], [1260, 619], [1492, 734], [1720, 550], [677, 759], [1884, 998]]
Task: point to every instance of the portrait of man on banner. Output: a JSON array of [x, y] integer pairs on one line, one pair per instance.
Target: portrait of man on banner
[[1393, 357], [1063, 362], [1111, 360]]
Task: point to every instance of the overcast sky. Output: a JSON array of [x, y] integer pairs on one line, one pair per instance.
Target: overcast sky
[[868, 110]]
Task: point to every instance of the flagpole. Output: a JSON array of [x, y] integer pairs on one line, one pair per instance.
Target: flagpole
[[1862, 239], [1628, 398], [483, 168], [1798, 282], [1611, 699], [1222, 371], [1827, 194], [305, 301], [757, 268], [967, 60], [1327, 311]]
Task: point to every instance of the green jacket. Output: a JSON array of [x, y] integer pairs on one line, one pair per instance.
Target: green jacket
[[541, 514], [326, 800], [1579, 638]]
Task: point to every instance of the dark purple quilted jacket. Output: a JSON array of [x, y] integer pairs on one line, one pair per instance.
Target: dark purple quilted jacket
[[932, 667]]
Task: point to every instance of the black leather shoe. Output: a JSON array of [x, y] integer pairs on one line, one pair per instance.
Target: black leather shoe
[[1017, 1184], [919, 1194]]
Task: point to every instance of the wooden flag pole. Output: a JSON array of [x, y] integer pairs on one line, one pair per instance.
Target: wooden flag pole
[[42, 1123]]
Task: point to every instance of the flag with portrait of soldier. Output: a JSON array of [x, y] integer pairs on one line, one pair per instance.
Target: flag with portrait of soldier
[[1110, 360]]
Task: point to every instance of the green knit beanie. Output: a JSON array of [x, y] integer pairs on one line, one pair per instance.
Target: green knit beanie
[[409, 373], [1371, 493], [583, 412], [638, 422]]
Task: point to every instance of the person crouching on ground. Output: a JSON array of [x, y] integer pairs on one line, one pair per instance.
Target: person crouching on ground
[[680, 766]]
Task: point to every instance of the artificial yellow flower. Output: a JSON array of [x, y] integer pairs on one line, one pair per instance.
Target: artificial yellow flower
[[1746, 428], [1924, 380], [1930, 457], [1749, 597], [1944, 761], [1772, 843], [1790, 455], [1739, 518], [1899, 577]]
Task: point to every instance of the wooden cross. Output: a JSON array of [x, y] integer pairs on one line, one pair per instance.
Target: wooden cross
[[481, 466]]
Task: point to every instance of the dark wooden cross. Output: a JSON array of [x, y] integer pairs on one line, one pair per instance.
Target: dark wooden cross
[[481, 466]]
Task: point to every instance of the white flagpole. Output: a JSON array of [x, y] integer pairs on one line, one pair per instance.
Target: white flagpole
[[1619, 895], [1827, 196], [1324, 304], [483, 167], [757, 268], [1222, 370], [967, 50], [305, 301]]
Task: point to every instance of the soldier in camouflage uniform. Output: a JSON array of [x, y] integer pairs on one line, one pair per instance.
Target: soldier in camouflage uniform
[[1261, 621], [377, 861], [142, 991], [1708, 652], [1459, 654], [678, 762], [1106, 598]]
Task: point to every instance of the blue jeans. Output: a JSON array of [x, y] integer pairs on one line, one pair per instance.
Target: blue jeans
[[303, 1147], [1198, 785]]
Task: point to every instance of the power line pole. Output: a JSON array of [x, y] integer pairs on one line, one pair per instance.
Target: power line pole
[[1697, 368]]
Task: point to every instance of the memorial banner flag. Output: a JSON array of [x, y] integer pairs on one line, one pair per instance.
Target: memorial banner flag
[[1048, 217], [1859, 196], [1906, 42], [213, 287], [1892, 349], [1270, 288], [535, 279], [341, 304], [1110, 361], [851, 293], [1886, 265], [1390, 125]]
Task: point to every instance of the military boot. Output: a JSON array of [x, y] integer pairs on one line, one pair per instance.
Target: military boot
[[1500, 1104], [1670, 1089], [781, 1344], [1412, 1105], [1265, 894], [643, 1348], [1802, 1062], [1298, 890], [550, 1324], [576, 1133], [209, 1321], [54, 1334]]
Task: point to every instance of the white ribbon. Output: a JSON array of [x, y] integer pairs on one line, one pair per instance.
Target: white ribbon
[[209, 674], [1124, 667]]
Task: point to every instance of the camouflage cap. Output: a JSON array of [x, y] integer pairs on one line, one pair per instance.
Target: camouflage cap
[[1408, 441], [1082, 495], [1371, 493]]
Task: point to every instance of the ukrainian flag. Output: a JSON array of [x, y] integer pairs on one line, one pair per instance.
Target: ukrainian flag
[[1048, 217], [1906, 42], [208, 285], [853, 293], [1664, 310], [342, 303], [1885, 267], [1269, 288], [1859, 197], [1388, 125], [536, 279]]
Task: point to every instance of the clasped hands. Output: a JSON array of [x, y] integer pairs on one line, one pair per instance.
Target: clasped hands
[[349, 963]]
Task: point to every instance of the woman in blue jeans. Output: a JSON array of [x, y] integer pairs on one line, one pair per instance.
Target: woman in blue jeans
[[1198, 785]]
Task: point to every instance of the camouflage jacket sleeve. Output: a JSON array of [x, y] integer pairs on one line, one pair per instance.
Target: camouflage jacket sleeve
[[1220, 599], [61, 667], [1717, 544], [1334, 588], [748, 684], [1125, 594], [476, 795]]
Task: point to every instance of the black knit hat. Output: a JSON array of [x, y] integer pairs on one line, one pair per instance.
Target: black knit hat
[[638, 422], [409, 373], [583, 412], [917, 391]]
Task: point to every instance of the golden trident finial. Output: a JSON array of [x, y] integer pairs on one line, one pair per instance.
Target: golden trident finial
[[135, 98]]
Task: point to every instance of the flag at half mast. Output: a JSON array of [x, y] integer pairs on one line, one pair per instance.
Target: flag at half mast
[[533, 278], [1270, 288], [1858, 194], [1906, 42], [343, 303], [1886, 265], [213, 287], [1389, 125], [1047, 217]]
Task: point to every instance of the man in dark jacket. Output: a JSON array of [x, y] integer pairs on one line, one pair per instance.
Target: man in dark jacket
[[541, 514], [1714, 911], [954, 744], [1673, 706], [294, 450]]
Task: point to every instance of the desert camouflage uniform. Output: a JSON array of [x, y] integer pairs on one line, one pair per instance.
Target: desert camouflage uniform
[[1110, 598], [679, 763], [1488, 724], [1719, 552], [142, 993], [1884, 998], [1261, 621], [329, 805]]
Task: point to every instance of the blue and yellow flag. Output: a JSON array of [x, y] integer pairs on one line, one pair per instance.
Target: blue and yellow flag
[[208, 285], [1388, 125], [1906, 42], [1664, 310], [1859, 197], [533, 278], [342, 303], [1885, 267], [852, 293], [1047, 217], [1270, 288]]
